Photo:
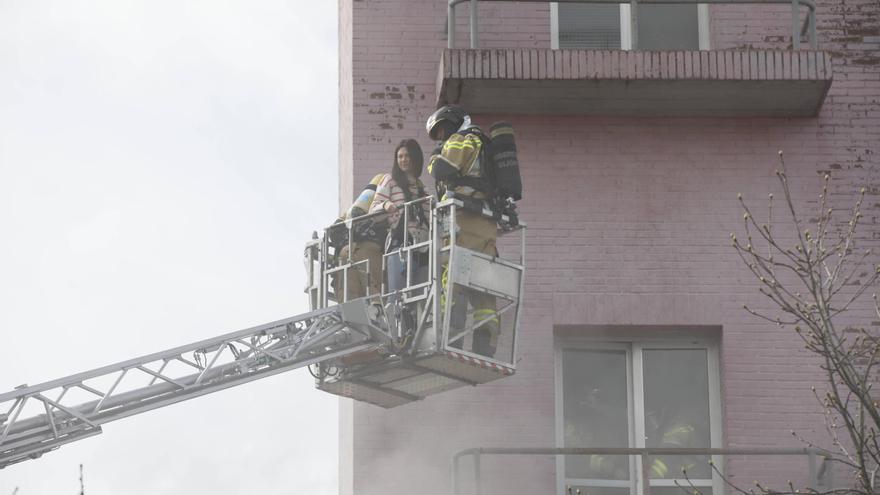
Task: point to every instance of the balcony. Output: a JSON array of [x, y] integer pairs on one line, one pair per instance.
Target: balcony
[[696, 83]]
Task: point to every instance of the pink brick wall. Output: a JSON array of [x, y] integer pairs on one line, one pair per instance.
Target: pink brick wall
[[640, 208]]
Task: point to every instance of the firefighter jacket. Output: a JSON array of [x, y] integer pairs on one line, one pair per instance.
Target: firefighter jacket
[[362, 204], [461, 165], [365, 230]]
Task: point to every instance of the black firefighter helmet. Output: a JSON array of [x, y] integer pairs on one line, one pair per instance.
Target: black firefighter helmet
[[449, 116]]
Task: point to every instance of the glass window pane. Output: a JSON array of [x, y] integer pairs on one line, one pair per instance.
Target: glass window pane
[[589, 26], [676, 383], [595, 411], [668, 27]]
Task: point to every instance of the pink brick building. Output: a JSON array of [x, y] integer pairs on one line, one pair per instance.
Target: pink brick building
[[632, 160]]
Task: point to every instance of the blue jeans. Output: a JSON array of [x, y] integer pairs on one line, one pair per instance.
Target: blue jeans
[[397, 272]]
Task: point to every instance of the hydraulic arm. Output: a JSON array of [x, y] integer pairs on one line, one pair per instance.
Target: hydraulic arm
[[40, 418]]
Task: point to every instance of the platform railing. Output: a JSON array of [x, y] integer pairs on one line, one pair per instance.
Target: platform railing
[[413, 247], [797, 30], [818, 462], [500, 277], [342, 270], [321, 250], [417, 314]]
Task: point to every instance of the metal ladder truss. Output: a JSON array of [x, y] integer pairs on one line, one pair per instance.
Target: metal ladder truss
[[40, 418]]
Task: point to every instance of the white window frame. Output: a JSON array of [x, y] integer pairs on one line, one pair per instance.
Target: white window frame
[[633, 349], [626, 26]]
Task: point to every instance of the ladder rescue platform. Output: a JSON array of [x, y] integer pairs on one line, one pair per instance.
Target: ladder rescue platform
[[453, 323], [423, 345]]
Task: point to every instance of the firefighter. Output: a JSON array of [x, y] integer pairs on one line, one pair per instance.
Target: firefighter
[[366, 245], [459, 166], [678, 435], [675, 432], [597, 422], [609, 467]]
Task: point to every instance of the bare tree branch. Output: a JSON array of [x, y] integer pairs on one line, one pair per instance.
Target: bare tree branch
[[812, 288]]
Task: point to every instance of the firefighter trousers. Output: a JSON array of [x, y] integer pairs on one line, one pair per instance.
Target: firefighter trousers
[[364, 276], [477, 233]]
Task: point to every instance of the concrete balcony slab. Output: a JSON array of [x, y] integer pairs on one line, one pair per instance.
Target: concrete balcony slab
[[730, 83]]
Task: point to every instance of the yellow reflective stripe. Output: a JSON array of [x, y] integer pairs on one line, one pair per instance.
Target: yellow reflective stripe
[[479, 314], [377, 179], [485, 314], [679, 435], [460, 153], [659, 468], [444, 283], [462, 145], [681, 429], [459, 141]]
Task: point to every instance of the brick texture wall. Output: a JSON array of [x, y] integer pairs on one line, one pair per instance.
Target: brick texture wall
[[637, 208]]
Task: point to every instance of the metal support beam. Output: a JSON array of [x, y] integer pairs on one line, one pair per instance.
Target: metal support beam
[[475, 41], [450, 26], [634, 23], [811, 16]]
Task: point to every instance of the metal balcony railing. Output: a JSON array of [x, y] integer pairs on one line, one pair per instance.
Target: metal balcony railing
[[797, 30], [819, 465]]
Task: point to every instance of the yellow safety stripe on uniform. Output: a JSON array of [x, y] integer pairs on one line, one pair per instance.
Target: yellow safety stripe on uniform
[[378, 179], [679, 435], [460, 145], [464, 138], [441, 162], [681, 430], [444, 279], [479, 314], [485, 314], [461, 151], [659, 468]]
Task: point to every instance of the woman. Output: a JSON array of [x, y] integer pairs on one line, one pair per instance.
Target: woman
[[401, 186]]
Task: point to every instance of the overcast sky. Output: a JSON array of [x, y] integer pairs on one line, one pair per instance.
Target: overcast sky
[[161, 164]]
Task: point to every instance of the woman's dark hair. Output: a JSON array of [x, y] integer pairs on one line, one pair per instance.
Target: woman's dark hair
[[416, 159]]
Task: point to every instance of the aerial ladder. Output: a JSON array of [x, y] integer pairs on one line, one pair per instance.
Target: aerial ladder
[[387, 349]]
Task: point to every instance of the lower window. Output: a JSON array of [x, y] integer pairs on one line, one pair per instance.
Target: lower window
[[636, 394]]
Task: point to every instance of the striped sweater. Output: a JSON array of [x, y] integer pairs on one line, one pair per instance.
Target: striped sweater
[[388, 190]]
